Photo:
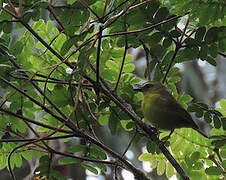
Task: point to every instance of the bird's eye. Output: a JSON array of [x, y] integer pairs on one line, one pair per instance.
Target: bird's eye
[[148, 86]]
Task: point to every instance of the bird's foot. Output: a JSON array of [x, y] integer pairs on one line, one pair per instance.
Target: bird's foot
[[165, 139], [155, 130]]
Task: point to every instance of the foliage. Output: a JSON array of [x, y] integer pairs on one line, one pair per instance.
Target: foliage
[[71, 72]]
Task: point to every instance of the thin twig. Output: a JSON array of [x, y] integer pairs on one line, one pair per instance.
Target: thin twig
[[88, 7], [171, 62], [142, 30], [45, 85], [33, 122], [51, 10], [12, 7], [184, 31], [114, 18], [20, 10], [33, 139], [105, 7], [98, 61], [122, 65], [121, 4], [140, 4], [130, 143], [147, 60]]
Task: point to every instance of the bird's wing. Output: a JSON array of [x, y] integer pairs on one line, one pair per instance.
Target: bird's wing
[[173, 107]]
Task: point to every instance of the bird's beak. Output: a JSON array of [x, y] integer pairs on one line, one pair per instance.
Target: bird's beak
[[137, 87]]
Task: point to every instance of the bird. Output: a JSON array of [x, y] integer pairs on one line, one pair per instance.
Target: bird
[[162, 110]]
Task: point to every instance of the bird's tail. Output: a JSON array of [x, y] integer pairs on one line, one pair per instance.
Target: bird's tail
[[203, 128]]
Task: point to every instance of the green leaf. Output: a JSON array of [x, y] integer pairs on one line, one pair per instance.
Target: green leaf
[[186, 98], [17, 48], [222, 45], [167, 58], [211, 60], [69, 160], [223, 153], [213, 50], [77, 148], [216, 112], [157, 50], [224, 164], [70, 2], [156, 37], [195, 157], [161, 167], [112, 65], [213, 171], [175, 79], [175, 33], [203, 51], [203, 105], [153, 163], [151, 147], [152, 8], [103, 119], [216, 121], [44, 4], [129, 58], [7, 27], [90, 168], [173, 71], [190, 41], [193, 108], [208, 117], [128, 68], [223, 122], [113, 123], [128, 125], [211, 35], [223, 103], [167, 42], [188, 161], [190, 53], [97, 152], [18, 160], [27, 155], [44, 160], [200, 33], [219, 143], [161, 14], [66, 46], [169, 170], [197, 166], [70, 30], [100, 166], [169, 25], [199, 113], [3, 47], [60, 95], [146, 157]]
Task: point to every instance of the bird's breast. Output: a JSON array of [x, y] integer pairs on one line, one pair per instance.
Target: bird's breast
[[150, 106]]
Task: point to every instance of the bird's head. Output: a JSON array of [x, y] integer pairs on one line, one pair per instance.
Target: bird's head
[[150, 86]]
